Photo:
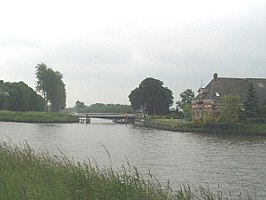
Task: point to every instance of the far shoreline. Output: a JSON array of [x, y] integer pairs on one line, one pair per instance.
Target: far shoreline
[[37, 117], [251, 129]]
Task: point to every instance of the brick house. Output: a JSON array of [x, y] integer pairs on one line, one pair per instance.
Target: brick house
[[208, 100]]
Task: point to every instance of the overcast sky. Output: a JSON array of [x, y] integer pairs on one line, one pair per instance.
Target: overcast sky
[[105, 49]]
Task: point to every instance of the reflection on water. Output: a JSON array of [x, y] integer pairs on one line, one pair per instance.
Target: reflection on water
[[236, 163]]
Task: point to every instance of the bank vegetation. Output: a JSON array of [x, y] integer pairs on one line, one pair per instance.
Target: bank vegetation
[[251, 127], [25, 174], [37, 117]]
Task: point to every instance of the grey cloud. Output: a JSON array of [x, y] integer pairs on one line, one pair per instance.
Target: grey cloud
[[118, 59], [236, 44], [85, 54]]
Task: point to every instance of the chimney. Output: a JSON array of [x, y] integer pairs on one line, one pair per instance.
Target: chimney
[[215, 76]]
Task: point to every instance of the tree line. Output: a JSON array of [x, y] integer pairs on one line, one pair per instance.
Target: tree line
[[18, 96], [150, 97], [153, 98], [80, 107]]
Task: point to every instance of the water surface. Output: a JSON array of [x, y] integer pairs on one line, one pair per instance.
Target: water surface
[[232, 163]]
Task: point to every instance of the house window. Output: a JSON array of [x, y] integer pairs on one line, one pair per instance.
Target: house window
[[260, 85]]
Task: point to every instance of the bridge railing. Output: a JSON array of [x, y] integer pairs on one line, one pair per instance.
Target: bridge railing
[[107, 115]]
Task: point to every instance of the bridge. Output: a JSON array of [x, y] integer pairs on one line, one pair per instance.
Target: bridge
[[112, 116]]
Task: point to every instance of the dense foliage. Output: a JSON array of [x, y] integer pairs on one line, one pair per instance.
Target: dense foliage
[[151, 96], [187, 96], [251, 105], [185, 104], [19, 97], [263, 111], [52, 87], [230, 109], [80, 107], [109, 108]]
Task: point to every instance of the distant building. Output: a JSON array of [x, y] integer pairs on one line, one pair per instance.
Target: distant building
[[208, 98]]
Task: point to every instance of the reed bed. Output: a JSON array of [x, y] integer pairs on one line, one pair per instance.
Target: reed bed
[[25, 174]]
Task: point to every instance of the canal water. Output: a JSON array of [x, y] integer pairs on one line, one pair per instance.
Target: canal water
[[229, 163]]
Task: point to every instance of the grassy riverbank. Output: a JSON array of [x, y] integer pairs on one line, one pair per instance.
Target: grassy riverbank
[[37, 117], [223, 128], [25, 174]]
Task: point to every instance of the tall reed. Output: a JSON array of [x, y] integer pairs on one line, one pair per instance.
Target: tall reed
[[25, 174]]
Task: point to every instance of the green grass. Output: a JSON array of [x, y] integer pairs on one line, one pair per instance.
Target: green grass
[[222, 128], [167, 122], [255, 128], [25, 174], [37, 117]]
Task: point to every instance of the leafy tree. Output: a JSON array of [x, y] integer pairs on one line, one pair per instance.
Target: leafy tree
[[230, 109], [37, 102], [3, 96], [97, 108], [80, 107], [187, 111], [151, 96], [20, 97], [102, 108], [52, 87], [186, 99], [187, 96], [251, 105], [109, 108]]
